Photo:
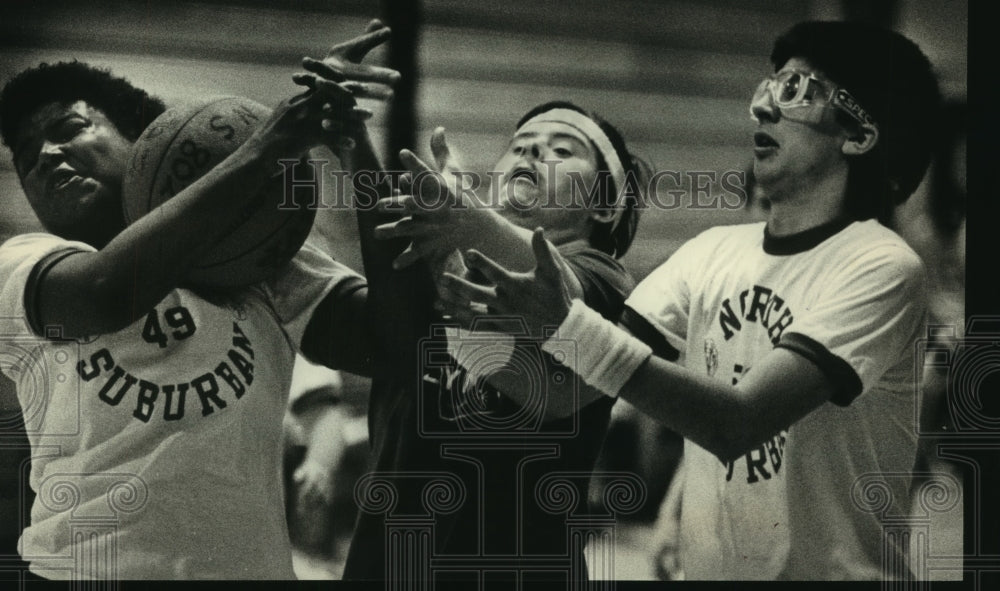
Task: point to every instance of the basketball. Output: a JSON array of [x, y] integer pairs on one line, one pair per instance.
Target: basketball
[[183, 144]]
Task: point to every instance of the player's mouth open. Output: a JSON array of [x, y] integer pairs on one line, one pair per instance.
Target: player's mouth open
[[525, 174], [764, 141], [63, 178]]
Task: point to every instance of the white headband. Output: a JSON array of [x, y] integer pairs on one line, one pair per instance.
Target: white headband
[[592, 131]]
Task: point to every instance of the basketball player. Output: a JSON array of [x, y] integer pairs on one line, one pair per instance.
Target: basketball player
[[782, 351], [147, 406], [555, 145]]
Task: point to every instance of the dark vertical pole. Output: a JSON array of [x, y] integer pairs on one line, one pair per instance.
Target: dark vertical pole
[[399, 314], [404, 16], [982, 287], [406, 303]]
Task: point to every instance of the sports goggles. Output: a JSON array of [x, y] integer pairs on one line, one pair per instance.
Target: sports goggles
[[791, 89]]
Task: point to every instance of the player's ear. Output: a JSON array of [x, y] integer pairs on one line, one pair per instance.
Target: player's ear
[[860, 140]]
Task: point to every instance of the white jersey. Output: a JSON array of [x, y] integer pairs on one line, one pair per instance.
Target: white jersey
[[854, 303], [156, 449]]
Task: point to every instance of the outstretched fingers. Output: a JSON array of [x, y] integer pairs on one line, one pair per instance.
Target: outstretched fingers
[[376, 92], [357, 48], [427, 184], [440, 150], [492, 270], [323, 69], [335, 94], [413, 163], [327, 91], [407, 227], [363, 81]]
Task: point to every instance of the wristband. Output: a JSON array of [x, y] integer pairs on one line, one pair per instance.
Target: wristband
[[605, 356]]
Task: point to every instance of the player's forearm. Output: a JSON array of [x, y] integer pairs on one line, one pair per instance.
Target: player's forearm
[[509, 245], [725, 419], [96, 293], [488, 232], [563, 397], [716, 416], [399, 303]]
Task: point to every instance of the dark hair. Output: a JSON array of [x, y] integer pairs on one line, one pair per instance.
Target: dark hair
[[129, 108], [614, 242], [893, 80]]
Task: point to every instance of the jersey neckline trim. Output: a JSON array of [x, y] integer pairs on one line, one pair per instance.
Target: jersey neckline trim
[[802, 241]]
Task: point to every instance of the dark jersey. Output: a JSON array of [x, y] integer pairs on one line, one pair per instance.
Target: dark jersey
[[482, 475]]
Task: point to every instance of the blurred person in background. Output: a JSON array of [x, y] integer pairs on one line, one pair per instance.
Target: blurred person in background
[[315, 443]]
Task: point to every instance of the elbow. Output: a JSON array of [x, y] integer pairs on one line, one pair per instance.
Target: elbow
[[733, 439], [109, 306], [756, 445], [720, 442], [90, 296]]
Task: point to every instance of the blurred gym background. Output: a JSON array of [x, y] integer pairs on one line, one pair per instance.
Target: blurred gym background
[[674, 75]]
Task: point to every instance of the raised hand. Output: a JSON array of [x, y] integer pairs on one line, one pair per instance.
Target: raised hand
[[448, 164], [436, 216], [343, 63], [343, 66], [295, 125], [541, 297]]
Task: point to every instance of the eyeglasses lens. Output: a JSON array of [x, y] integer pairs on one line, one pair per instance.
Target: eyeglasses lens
[[789, 88]]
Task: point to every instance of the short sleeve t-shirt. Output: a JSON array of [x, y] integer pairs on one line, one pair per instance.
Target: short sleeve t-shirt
[[852, 300], [156, 449]]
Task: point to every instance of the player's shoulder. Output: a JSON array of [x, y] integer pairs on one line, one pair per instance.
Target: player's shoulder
[[581, 250], [732, 232], [869, 249], [870, 241], [35, 245], [726, 237], [601, 276], [312, 260], [709, 253], [30, 240], [579, 254]]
